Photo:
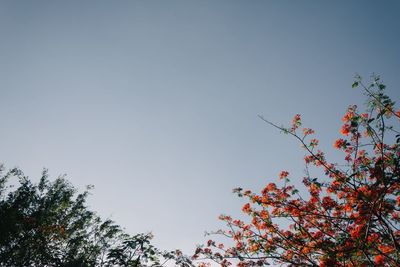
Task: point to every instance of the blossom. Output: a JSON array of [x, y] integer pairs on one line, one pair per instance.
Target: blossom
[[379, 260], [345, 130], [313, 142], [339, 143], [283, 174], [264, 214], [308, 131], [357, 231], [296, 122], [386, 249], [348, 116], [246, 208], [270, 187]]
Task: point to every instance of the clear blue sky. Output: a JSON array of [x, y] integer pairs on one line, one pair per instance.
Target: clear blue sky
[[156, 102]]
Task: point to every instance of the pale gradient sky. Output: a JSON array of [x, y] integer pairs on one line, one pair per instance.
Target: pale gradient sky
[[156, 102]]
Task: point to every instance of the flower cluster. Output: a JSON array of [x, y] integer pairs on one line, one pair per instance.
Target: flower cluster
[[350, 217]]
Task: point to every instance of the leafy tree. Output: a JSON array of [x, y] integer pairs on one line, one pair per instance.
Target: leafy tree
[[49, 224], [349, 217]]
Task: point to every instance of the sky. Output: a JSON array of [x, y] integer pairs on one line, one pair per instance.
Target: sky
[[155, 103]]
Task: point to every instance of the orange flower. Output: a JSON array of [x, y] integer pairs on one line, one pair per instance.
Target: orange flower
[[348, 116], [340, 195], [246, 208], [270, 187], [348, 207], [386, 249], [264, 214], [339, 143], [345, 130], [255, 247], [373, 238], [283, 174], [380, 146], [356, 233], [255, 198], [379, 260], [305, 250], [314, 142], [296, 118], [307, 131], [296, 122]]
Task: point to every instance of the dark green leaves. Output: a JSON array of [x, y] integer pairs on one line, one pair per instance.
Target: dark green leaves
[[49, 224]]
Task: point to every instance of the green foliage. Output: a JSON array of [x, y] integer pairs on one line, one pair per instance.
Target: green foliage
[[49, 224]]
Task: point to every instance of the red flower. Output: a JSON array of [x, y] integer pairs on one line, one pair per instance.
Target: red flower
[[270, 187], [345, 130], [246, 208], [283, 174], [313, 142], [348, 116], [386, 249], [307, 131], [296, 122], [379, 260], [339, 143]]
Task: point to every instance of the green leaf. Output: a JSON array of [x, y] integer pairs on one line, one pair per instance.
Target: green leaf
[[354, 85]]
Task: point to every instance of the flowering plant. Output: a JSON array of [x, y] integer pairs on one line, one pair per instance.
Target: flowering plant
[[350, 217]]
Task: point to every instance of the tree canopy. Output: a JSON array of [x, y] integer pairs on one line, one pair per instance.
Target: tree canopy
[[351, 213], [49, 224]]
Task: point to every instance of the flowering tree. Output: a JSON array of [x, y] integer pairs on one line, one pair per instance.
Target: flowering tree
[[351, 217]]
